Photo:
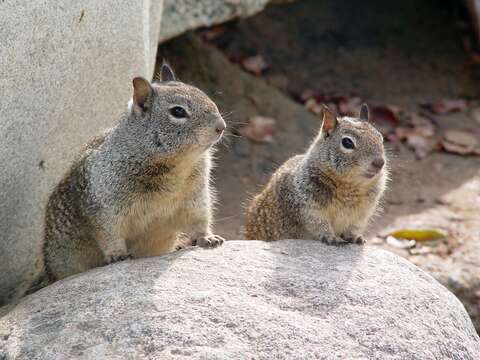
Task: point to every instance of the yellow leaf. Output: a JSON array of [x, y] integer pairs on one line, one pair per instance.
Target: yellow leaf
[[418, 234]]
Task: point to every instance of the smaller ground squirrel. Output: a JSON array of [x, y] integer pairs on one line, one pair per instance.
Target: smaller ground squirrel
[[137, 187], [330, 192]]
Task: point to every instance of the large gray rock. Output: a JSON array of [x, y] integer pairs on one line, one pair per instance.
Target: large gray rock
[[65, 74], [294, 299]]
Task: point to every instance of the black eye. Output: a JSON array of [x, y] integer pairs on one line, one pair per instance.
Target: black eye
[[178, 112], [348, 143]]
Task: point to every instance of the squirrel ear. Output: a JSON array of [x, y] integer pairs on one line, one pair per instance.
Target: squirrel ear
[[329, 121], [166, 73], [364, 112], [142, 90]]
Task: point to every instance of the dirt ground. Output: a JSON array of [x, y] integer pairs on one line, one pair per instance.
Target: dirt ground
[[389, 53]]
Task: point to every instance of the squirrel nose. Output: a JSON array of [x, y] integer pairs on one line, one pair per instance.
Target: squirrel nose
[[378, 163], [220, 128]]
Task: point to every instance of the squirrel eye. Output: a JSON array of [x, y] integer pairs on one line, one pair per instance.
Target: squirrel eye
[[347, 143], [178, 112]]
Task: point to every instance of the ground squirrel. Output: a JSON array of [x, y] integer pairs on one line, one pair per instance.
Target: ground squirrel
[[330, 192], [139, 185]]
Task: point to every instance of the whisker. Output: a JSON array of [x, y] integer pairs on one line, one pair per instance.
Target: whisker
[[225, 146], [233, 135], [226, 114], [237, 122]]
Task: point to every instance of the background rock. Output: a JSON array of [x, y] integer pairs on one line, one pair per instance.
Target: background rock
[[287, 299], [452, 261], [181, 15], [65, 74]]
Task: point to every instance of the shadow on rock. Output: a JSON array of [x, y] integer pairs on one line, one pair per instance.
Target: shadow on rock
[[319, 284]]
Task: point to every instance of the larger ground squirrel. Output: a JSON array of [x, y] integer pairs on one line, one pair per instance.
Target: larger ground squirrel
[[138, 186], [330, 192]]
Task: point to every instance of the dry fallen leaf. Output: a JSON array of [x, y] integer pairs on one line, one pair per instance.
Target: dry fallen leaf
[[255, 64], [308, 94], [394, 109], [427, 131], [313, 106], [455, 149], [399, 243], [384, 115], [402, 132], [259, 129], [385, 119], [447, 105], [305, 95], [461, 138], [422, 125], [460, 142], [212, 33], [418, 234], [391, 137], [418, 135], [459, 149], [349, 106], [475, 114], [419, 144]]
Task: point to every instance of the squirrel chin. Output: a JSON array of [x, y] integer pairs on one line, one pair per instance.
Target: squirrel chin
[[202, 148], [371, 175], [211, 143]]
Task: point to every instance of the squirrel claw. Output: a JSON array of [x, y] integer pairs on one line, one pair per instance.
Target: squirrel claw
[[209, 241], [180, 247], [353, 239], [116, 258], [360, 240], [333, 240]]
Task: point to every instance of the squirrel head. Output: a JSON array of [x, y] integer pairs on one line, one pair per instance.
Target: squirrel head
[[350, 146], [171, 117]]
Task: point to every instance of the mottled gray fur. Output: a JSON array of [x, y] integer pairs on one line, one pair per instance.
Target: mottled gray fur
[[137, 187], [330, 192]]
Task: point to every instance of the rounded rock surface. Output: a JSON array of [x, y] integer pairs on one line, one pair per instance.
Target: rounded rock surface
[[291, 299]]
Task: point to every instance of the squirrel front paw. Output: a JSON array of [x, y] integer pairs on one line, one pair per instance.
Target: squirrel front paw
[[353, 238], [332, 240], [208, 241], [110, 259]]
